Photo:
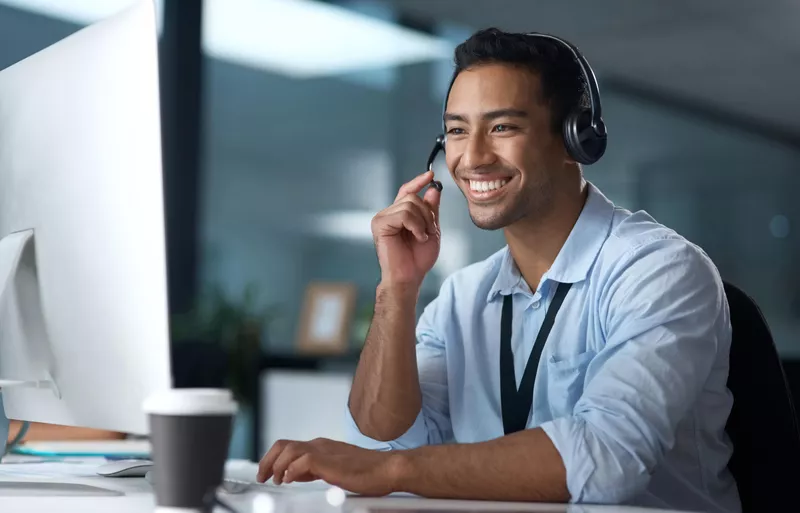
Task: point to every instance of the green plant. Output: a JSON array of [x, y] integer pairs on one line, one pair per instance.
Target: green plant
[[236, 325]]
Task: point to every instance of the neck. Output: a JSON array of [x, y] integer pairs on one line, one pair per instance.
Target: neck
[[536, 240]]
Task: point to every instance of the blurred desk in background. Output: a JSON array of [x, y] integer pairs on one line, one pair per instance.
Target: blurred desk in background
[[301, 397]]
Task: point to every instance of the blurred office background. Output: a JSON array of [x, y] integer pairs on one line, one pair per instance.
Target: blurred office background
[[290, 123]]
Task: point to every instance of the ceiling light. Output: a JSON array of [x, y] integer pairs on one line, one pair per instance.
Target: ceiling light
[[80, 12], [307, 38], [298, 38]]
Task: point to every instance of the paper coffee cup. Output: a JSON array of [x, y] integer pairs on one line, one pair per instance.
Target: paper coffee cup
[[190, 432]]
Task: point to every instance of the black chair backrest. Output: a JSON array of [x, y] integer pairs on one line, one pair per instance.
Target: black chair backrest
[[762, 425]]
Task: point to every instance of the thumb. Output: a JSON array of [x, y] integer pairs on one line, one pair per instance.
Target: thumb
[[432, 198]]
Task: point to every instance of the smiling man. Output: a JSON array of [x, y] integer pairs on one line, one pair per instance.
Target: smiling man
[[586, 361]]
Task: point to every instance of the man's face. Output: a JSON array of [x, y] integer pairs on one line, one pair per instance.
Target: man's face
[[500, 147]]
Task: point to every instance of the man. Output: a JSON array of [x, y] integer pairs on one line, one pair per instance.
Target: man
[[630, 399]]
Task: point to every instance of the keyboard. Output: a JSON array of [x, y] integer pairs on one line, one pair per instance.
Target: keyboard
[[241, 486], [240, 477]]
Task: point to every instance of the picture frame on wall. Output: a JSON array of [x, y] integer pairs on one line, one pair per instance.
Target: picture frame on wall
[[326, 318]]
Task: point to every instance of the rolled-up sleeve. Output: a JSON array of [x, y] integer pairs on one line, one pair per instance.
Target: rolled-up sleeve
[[667, 324], [432, 425]]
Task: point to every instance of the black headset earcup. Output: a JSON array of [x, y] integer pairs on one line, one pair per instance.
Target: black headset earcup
[[581, 141]]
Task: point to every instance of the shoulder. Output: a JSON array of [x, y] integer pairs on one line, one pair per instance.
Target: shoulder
[[639, 246], [647, 269]]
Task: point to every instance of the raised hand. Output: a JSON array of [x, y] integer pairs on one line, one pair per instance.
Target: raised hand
[[406, 234]]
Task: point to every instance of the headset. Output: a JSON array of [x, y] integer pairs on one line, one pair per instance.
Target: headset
[[584, 131]]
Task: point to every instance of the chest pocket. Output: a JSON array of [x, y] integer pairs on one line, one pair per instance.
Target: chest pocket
[[565, 381]]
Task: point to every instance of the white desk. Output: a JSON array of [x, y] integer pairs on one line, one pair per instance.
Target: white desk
[[135, 495]]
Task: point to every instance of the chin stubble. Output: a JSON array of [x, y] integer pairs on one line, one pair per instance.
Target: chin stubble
[[530, 203]]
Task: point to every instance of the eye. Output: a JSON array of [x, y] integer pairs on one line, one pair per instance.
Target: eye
[[502, 128], [455, 131]]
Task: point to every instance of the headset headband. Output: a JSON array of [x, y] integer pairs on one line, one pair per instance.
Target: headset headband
[[591, 81], [583, 130], [597, 124]]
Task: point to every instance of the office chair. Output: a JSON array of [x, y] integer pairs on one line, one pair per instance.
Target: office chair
[[763, 424]]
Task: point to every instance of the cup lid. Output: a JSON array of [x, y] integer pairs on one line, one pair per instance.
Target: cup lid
[[191, 401]]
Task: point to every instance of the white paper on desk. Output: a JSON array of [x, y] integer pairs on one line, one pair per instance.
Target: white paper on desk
[[47, 470]]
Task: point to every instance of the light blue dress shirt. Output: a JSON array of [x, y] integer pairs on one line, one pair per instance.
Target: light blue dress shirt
[[631, 386]]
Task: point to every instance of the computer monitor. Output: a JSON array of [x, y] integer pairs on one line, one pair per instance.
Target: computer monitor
[[84, 335]]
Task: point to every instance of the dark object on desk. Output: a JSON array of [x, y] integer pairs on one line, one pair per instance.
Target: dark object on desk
[[763, 423], [190, 430]]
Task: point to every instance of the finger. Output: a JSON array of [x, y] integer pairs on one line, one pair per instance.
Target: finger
[[425, 210], [266, 463], [432, 199], [334, 470], [301, 470], [413, 220], [322, 444], [292, 451], [404, 216], [314, 466], [415, 185]]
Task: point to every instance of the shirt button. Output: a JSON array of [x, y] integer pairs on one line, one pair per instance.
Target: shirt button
[[535, 304]]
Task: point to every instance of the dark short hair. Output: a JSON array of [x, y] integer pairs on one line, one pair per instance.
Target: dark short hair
[[562, 84]]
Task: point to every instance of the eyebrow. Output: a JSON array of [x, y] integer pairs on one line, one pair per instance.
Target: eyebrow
[[490, 115]]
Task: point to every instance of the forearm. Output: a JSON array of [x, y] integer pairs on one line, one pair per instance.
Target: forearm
[[385, 398], [524, 466], [55, 432]]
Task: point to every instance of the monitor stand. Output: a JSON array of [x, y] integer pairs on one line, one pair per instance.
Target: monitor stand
[[16, 253], [24, 342], [18, 260]]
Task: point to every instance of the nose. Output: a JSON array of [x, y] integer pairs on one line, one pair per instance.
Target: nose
[[478, 152]]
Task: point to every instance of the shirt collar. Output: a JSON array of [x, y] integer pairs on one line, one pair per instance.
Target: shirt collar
[[508, 277], [577, 255]]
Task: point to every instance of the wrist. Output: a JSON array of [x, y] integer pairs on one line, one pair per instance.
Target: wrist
[[398, 293], [401, 470]]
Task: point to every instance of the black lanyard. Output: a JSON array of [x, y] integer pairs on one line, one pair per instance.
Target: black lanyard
[[516, 404]]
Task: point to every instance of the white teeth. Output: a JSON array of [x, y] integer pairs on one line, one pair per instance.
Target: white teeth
[[486, 185]]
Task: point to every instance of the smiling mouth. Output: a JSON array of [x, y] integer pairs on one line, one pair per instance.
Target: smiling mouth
[[481, 191], [487, 185]]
